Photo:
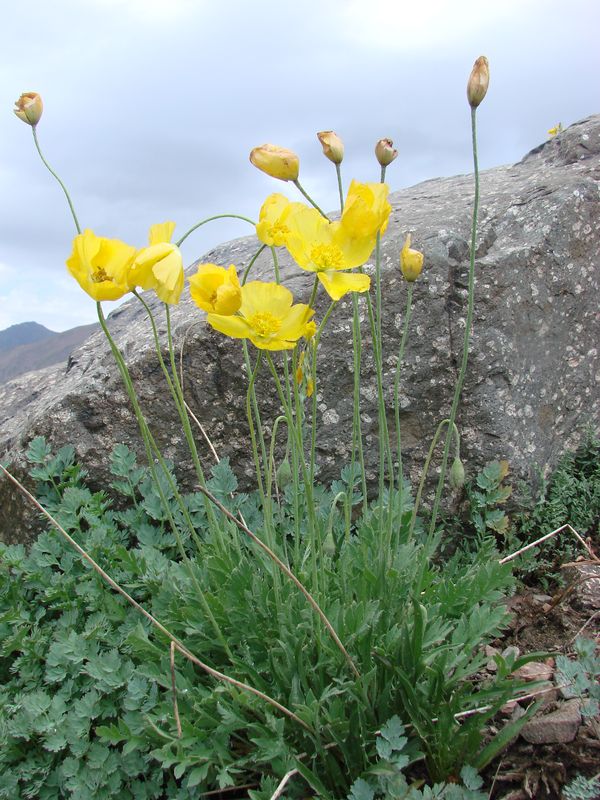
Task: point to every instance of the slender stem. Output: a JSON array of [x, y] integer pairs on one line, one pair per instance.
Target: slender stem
[[407, 315], [54, 175], [309, 198], [357, 442], [178, 644], [315, 347], [211, 219], [250, 396], [251, 264], [468, 325], [338, 172]]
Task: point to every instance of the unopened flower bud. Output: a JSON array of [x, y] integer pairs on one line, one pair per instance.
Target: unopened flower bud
[[333, 147], [29, 108], [384, 151], [457, 474], [411, 261], [478, 81], [329, 545], [284, 474], [276, 162]]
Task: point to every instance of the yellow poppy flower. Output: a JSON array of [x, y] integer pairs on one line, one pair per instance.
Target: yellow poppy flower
[[100, 265], [160, 266], [267, 317], [325, 248], [272, 229], [366, 210], [216, 289]]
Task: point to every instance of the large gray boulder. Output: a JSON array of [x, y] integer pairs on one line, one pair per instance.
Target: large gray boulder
[[532, 384]]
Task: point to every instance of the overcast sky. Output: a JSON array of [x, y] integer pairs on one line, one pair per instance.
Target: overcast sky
[[152, 106]]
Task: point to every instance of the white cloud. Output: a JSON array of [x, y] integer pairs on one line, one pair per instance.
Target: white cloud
[[423, 26], [152, 11]]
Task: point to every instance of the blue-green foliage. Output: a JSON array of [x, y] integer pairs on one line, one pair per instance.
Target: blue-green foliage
[[581, 675], [86, 707], [570, 495]]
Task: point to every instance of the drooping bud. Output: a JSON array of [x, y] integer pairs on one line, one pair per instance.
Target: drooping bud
[[333, 147], [457, 474], [283, 475], [384, 151], [29, 108], [329, 545], [411, 261], [479, 81], [276, 162]]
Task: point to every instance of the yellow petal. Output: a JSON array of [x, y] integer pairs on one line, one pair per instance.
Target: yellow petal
[[233, 326], [337, 284], [161, 232], [259, 297]]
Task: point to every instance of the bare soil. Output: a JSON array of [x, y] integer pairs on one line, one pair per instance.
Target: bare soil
[[539, 771]]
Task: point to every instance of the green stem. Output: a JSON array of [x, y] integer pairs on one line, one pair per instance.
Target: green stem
[[315, 347], [251, 264], [357, 442], [407, 316], [211, 219], [54, 175], [309, 198], [468, 325], [250, 397], [338, 172]]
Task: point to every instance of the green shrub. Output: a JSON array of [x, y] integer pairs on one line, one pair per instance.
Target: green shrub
[[86, 697]]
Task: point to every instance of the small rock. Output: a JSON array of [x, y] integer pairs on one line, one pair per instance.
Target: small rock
[[490, 652], [558, 727], [534, 671], [542, 598], [585, 578], [512, 649], [508, 708]]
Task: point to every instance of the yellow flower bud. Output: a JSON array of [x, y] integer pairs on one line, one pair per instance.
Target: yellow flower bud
[[478, 81], [310, 330], [276, 162], [457, 474], [310, 387], [384, 150], [411, 261], [333, 147], [29, 108]]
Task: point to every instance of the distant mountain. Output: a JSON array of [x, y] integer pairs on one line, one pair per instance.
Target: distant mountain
[[29, 346], [23, 333]]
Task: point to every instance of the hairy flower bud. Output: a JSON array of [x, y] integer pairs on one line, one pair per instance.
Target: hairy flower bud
[[457, 474], [333, 147], [283, 476], [411, 261], [478, 81], [276, 162], [384, 151], [29, 108]]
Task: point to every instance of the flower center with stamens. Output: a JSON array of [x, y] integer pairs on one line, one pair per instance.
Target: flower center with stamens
[[265, 323], [99, 275], [327, 256]]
